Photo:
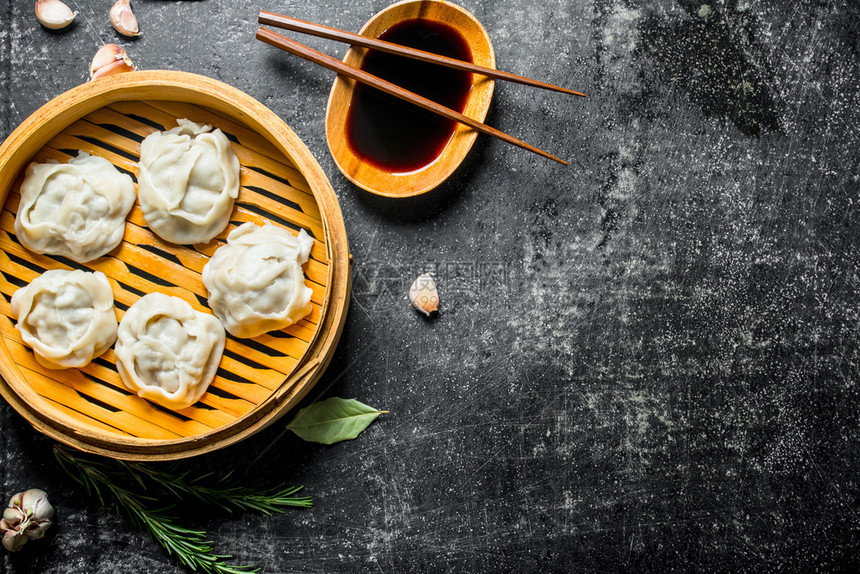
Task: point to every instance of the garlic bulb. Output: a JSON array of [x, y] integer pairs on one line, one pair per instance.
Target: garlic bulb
[[423, 294], [54, 14], [27, 517], [123, 19], [109, 60]]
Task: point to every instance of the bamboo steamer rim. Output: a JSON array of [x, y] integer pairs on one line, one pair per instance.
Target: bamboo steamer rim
[[163, 85]]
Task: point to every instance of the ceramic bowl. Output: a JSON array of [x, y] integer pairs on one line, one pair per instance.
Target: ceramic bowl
[[387, 183]]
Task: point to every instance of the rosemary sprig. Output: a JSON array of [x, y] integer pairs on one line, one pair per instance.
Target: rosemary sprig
[[190, 546], [227, 493]]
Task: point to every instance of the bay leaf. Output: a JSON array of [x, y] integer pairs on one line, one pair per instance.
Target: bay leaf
[[333, 420]]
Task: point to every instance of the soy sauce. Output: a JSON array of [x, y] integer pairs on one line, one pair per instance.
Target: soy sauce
[[392, 134]]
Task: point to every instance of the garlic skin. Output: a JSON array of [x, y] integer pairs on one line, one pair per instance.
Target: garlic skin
[[27, 517], [54, 14], [105, 55], [424, 295], [123, 19], [109, 60]]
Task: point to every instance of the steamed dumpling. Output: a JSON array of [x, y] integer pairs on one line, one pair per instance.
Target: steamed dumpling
[[255, 281], [74, 209], [188, 179], [167, 352], [67, 317]]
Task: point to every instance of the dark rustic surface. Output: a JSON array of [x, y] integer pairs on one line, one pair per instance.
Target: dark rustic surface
[[646, 361]]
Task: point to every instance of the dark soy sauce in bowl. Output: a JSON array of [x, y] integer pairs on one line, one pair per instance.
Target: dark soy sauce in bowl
[[397, 136]]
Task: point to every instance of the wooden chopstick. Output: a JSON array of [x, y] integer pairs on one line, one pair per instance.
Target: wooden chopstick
[[293, 47], [296, 25]]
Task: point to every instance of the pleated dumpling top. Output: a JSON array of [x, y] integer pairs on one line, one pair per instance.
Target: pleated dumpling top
[[75, 209], [256, 283], [66, 317], [167, 352], [188, 178]]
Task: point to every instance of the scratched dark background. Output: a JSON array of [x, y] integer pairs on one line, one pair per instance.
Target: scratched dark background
[[646, 361]]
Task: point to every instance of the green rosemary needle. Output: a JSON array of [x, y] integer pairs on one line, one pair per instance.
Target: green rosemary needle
[[190, 546], [227, 493]]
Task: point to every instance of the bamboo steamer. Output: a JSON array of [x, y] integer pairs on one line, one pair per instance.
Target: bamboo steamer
[[259, 379]]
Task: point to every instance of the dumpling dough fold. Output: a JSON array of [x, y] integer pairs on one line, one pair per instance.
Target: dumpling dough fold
[[75, 209], [66, 317], [188, 179], [167, 352], [255, 281]]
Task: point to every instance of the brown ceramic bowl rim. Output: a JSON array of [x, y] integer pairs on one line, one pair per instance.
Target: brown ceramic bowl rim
[[384, 183]]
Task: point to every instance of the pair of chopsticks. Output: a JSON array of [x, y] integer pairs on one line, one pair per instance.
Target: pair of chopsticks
[[293, 47]]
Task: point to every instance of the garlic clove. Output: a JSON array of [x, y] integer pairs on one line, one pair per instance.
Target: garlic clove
[[35, 503], [107, 54], [117, 67], [31, 497], [14, 540], [424, 295], [37, 530], [12, 516], [109, 60], [54, 14], [123, 19]]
